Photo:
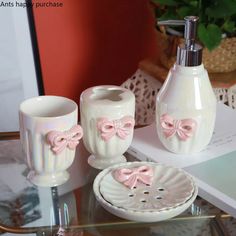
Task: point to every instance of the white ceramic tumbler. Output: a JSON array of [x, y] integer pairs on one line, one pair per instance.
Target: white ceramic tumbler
[[49, 135], [107, 118]]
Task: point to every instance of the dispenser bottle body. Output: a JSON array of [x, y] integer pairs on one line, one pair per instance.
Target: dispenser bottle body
[[185, 110]]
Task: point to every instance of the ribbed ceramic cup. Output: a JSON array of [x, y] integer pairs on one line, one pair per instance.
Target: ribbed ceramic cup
[[49, 134], [107, 118]]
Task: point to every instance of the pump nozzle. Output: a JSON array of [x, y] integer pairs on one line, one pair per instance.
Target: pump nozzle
[[189, 54], [190, 30]]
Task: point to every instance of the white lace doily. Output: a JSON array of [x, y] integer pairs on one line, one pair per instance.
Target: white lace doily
[[146, 87], [231, 96]]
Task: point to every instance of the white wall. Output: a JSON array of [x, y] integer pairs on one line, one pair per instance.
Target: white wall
[[17, 71]]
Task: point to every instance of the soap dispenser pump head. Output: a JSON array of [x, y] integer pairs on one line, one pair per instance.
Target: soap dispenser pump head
[[188, 53]]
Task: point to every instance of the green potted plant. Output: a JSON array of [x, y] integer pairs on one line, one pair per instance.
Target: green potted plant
[[216, 30]]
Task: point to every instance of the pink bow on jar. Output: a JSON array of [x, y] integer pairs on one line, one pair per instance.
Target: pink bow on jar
[[130, 177], [59, 140], [122, 127], [184, 128]]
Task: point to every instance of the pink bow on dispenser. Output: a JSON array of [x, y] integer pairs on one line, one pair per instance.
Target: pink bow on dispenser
[[60, 140], [130, 177], [184, 128], [122, 127]]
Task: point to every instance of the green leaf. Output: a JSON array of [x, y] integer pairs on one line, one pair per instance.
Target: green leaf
[[168, 15], [229, 26], [221, 8], [158, 12], [193, 3], [186, 2], [210, 36], [186, 11], [166, 2]]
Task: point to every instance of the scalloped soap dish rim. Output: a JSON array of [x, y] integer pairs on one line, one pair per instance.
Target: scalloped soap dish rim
[[141, 215]]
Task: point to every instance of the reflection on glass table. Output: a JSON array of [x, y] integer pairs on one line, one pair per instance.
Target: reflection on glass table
[[71, 209]]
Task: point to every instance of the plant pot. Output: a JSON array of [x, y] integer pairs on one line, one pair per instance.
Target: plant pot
[[221, 59]]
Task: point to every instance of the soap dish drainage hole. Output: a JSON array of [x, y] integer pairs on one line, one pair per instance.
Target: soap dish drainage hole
[[131, 195], [161, 189], [143, 200], [158, 197], [146, 192]]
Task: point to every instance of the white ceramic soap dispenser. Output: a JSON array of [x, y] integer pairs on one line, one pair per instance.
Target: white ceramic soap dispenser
[[186, 104]]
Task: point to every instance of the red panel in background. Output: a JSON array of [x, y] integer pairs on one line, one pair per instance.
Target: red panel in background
[[92, 42]]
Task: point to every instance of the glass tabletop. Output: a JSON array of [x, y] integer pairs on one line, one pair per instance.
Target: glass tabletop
[[72, 209]]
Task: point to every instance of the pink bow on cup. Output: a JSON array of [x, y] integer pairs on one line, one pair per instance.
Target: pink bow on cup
[[60, 140], [122, 127], [184, 128], [130, 177]]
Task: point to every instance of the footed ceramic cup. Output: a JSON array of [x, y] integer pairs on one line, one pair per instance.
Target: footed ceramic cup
[[107, 118], [49, 134]]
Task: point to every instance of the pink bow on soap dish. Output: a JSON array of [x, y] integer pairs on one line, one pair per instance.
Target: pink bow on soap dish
[[130, 177], [59, 140], [121, 127], [184, 128]]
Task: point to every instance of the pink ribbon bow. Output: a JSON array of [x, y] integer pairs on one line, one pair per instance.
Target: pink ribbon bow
[[184, 128], [122, 127], [130, 177], [60, 140]]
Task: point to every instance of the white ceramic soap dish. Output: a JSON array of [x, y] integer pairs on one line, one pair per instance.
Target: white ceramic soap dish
[[171, 192]]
